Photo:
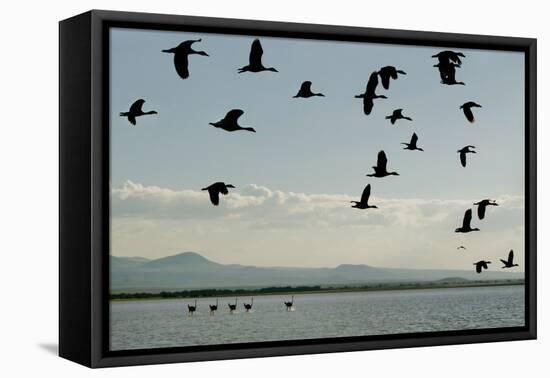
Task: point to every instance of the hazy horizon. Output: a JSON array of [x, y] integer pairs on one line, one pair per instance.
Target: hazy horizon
[[295, 177]]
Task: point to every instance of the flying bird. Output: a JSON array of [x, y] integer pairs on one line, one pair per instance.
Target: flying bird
[[466, 223], [412, 144], [380, 169], [255, 59], [364, 203], [510, 262], [463, 151], [229, 122], [482, 206], [481, 265], [136, 111], [387, 73], [370, 93], [397, 114], [449, 56], [467, 109], [181, 56], [215, 189], [305, 91], [461, 247]]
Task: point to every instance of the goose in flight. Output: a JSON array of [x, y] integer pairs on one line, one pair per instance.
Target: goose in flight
[[466, 223], [305, 91], [380, 169], [412, 144], [449, 56], [482, 206], [136, 111], [463, 151], [510, 262], [255, 59], [467, 109], [481, 265], [181, 56], [364, 203], [397, 114], [387, 73], [370, 93], [215, 189], [461, 247], [229, 122]]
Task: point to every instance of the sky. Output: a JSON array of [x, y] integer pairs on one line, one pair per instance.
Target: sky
[[295, 176]]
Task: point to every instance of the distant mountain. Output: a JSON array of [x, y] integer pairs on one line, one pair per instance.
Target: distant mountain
[[190, 270]]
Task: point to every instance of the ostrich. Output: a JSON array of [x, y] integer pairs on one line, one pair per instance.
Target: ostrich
[[290, 304], [232, 307], [248, 306], [192, 309], [213, 308]]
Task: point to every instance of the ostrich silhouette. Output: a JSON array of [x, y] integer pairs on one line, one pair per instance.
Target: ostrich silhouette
[[192, 309], [248, 306], [232, 307], [213, 308], [290, 304]]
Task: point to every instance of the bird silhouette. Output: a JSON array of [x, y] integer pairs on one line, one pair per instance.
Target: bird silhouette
[[255, 59], [397, 114], [213, 308], [248, 306], [232, 307], [467, 109], [215, 189], [481, 265], [466, 223], [305, 91], [482, 206], [289, 304], [364, 203], [510, 262], [461, 247], [370, 93], [380, 169], [229, 122], [181, 56], [136, 111], [447, 72], [463, 151], [412, 144], [449, 56], [389, 72], [192, 309]]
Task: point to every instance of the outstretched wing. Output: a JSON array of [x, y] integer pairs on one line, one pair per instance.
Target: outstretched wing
[[305, 87], [467, 219], [468, 113], [373, 83], [511, 256], [484, 265], [385, 76], [382, 161], [214, 196], [181, 62], [256, 53], [414, 139], [135, 108], [368, 104], [233, 115], [481, 210], [366, 194], [463, 158]]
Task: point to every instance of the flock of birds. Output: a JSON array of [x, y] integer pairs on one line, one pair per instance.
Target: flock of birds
[[448, 62], [289, 305]]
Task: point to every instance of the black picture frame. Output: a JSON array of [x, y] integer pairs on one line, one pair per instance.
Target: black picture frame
[[84, 187]]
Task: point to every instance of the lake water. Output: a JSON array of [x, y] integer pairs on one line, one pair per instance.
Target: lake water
[[166, 323]]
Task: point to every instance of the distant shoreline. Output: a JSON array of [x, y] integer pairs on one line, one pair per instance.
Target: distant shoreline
[[288, 290]]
